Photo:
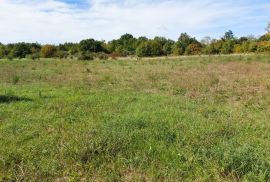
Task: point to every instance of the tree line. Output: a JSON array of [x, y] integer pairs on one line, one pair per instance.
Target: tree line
[[128, 45]]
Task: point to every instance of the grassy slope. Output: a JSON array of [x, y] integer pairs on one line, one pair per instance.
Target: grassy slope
[[184, 119]]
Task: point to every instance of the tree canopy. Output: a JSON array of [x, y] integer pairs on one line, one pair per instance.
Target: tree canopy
[[128, 45]]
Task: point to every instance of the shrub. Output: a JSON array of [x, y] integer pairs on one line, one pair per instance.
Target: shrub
[[48, 51], [238, 48], [102, 56], [263, 46], [15, 79], [252, 46], [177, 50], [211, 49], [265, 37], [20, 50], [87, 56], [34, 56], [62, 54], [227, 47], [3, 51], [10, 57], [115, 55], [90, 45], [193, 49], [149, 48]]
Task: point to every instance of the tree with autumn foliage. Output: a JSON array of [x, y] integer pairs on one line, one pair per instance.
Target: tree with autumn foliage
[[48, 51]]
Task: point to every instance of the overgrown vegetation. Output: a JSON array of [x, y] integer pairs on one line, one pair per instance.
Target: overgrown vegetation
[[178, 119], [127, 45]]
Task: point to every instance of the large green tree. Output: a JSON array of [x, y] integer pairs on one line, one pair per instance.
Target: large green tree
[[90, 45], [183, 42], [20, 50], [228, 35], [229, 42], [149, 49], [125, 45]]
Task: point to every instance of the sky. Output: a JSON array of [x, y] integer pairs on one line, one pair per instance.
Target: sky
[[59, 21]]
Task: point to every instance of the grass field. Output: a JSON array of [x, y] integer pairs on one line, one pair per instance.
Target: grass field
[[181, 119]]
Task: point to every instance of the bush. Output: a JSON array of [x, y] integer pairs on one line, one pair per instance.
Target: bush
[[149, 49], [263, 47], [87, 56], [177, 50], [102, 56], [227, 47], [193, 49], [48, 51], [10, 57], [34, 56], [90, 45], [246, 47], [20, 50], [252, 46], [265, 37], [210, 49], [62, 54], [238, 48], [3, 51], [115, 55], [15, 79]]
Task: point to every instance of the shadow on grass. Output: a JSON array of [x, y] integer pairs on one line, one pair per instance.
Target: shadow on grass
[[12, 98]]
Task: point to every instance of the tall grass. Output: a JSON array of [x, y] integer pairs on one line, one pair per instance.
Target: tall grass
[[183, 119]]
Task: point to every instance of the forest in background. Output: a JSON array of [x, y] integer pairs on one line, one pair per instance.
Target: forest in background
[[128, 45]]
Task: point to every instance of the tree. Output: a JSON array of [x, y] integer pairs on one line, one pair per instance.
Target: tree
[[183, 42], [177, 50], [71, 48], [241, 40], [193, 49], [3, 51], [126, 45], [246, 47], [263, 46], [238, 48], [141, 40], [206, 40], [228, 43], [229, 35], [227, 47], [268, 28], [265, 37], [35, 48], [161, 40], [48, 51], [215, 47], [167, 48], [149, 48], [20, 50], [90, 45], [252, 46], [210, 49]]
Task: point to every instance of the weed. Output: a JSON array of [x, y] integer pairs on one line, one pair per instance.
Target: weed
[[15, 79]]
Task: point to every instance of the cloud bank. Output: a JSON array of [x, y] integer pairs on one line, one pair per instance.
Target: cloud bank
[[55, 21]]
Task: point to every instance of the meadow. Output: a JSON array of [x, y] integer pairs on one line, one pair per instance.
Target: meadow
[[172, 119]]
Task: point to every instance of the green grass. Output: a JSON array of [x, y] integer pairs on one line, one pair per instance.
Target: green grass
[[181, 119]]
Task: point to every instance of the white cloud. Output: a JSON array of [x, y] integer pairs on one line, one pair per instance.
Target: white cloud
[[51, 21]]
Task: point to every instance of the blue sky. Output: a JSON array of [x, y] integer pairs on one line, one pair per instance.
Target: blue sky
[[58, 21]]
